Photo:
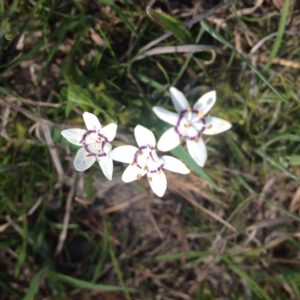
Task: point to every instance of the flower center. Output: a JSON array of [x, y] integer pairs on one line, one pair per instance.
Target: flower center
[[147, 159], [190, 124], [93, 142]]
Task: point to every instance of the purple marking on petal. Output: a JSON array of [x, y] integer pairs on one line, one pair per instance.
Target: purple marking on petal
[[136, 156], [86, 146], [138, 166], [177, 131], [191, 138], [103, 137], [203, 128]]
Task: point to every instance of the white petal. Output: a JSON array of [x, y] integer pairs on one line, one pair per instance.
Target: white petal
[[133, 173], [158, 183], [144, 136], [109, 131], [74, 135], [179, 101], [107, 148], [124, 154], [197, 151], [91, 121], [169, 140], [107, 167], [192, 132], [175, 165], [166, 115], [215, 125], [206, 102], [82, 162]]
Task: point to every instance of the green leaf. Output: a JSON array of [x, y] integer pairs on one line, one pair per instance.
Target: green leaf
[[277, 165], [279, 36], [79, 95], [175, 26], [82, 97], [218, 37], [121, 14], [260, 293], [34, 285], [294, 160], [85, 284], [250, 189], [69, 107], [181, 153]]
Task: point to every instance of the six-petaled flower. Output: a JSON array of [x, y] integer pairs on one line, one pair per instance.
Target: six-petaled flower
[[144, 160], [189, 123], [95, 144]]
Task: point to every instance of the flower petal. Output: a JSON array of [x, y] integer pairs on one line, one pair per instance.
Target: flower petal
[[82, 162], [206, 102], [166, 115], [91, 121], [215, 125], [144, 136], [197, 151], [107, 148], [109, 131], [179, 101], [107, 167], [158, 183], [169, 140], [124, 154], [133, 173], [175, 165], [74, 135]]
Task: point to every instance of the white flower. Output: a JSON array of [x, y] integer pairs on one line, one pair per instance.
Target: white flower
[[189, 123], [95, 144], [144, 160]]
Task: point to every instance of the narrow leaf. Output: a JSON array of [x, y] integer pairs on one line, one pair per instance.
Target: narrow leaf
[[85, 284], [181, 153], [223, 41], [175, 26]]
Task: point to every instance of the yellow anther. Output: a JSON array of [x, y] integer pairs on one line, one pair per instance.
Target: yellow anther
[[146, 168], [196, 139], [140, 153], [149, 179], [181, 140], [133, 163], [209, 126], [185, 125], [200, 114], [188, 109], [138, 176]]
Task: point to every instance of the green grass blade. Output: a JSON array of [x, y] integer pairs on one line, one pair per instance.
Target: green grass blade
[[277, 164], [34, 285], [250, 189], [181, 153], [261, 294], [121, 14], [279, 36], [117, 269], [287, 137], [223, 41], [104, 254], [85, 284], [175, 26]]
